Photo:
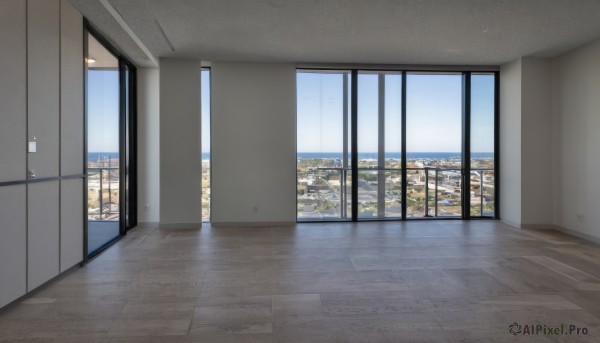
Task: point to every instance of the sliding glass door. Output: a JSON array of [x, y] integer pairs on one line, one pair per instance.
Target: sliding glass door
[[110, 141], [416, 137], [103, 154]]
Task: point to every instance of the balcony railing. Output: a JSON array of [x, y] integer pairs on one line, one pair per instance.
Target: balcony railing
[[323, 193], [103, 193]]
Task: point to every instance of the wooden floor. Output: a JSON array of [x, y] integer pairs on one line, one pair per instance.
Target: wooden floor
[[428, 281]]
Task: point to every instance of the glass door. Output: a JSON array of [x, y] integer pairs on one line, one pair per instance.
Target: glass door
[[110, 143], [103, 145]]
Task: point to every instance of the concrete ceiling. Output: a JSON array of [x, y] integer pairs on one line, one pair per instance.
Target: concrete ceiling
[[448, 32]]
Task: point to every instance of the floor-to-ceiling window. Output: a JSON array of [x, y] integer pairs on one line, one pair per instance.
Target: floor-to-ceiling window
[[110, 141], [433, 145], [379, 135], [482, 178], [205, 145], [323, 159], [410, 139]]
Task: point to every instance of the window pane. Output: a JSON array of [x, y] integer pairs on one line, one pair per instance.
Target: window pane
[[205, 124], [482, 145], [103, 145], [322, 145], [379, 144], [434, 144]]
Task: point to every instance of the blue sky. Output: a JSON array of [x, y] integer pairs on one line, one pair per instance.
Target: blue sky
[[103, 110], [433, 112], [205, 103]]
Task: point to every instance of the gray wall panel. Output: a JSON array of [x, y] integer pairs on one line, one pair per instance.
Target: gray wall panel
[[13, 90], [43, 237], [43, 84], [71, 85], [71, 223], [12, 243]]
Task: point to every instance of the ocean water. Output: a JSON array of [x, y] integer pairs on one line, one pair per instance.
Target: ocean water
[[95, 156], [396, 155]]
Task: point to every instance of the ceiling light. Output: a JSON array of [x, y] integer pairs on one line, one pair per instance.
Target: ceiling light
[[90, 60]]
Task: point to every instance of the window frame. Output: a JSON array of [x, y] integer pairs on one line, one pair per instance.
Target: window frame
[[127, 141], [466, 73]]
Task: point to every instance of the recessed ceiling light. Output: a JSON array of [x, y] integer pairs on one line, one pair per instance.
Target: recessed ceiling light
[[90, 60]]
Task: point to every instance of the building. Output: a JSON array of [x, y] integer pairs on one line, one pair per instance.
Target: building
[[468, 128]]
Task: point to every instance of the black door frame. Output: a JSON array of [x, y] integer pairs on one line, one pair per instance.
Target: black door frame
[[127, 141]]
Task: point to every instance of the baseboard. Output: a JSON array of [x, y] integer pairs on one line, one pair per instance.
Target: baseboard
[[148, 225], [577, 234], [34, 291], [539, 226], [251, 224], [180, 225], [529, 226], [511, 223]]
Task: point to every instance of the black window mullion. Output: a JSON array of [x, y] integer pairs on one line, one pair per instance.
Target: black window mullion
[[381, 146], [466, 146], [403, 144], [354, 138], [123, 153], [496, 145], [132, 153]]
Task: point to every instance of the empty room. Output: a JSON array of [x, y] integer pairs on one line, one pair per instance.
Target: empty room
[[299, 171]]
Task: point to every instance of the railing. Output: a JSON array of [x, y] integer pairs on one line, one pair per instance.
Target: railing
[[431, 192], [104, 181], [450, 191], [486, 199]]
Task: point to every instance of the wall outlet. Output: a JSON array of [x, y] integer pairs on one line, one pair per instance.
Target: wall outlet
[[255, 208], [147, 208], [581, 218]]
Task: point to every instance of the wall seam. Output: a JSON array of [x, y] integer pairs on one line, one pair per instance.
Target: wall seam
[[60, 113], [26, 146]]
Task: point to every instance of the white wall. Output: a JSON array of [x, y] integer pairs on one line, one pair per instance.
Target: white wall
[[510, 143], [180, 160], [526, 159], [577, 140], [148, 123], [536, 142], [253, 143]]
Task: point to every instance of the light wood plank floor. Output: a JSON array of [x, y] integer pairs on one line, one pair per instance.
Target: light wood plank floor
[[427, 281]]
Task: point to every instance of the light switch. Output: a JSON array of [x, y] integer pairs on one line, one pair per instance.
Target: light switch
[[32, 147]]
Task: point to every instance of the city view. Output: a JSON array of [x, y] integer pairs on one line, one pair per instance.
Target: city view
[[324, 182], [205, 187], [432, 113], [103, 186], [434, 186]]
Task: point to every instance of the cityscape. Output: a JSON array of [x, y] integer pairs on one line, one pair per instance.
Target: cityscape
[[434, 186], [103, 186]]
